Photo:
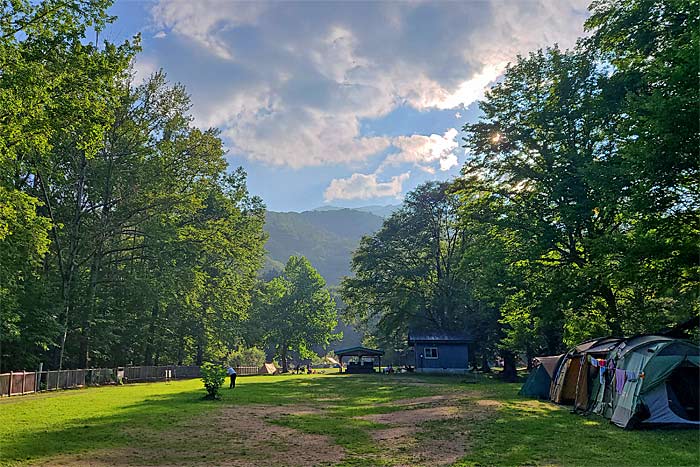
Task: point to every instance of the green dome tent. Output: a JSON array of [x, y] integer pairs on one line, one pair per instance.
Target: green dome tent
[[540, 378]]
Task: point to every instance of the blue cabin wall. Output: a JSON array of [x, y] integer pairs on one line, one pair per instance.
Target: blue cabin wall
[[452, 358]]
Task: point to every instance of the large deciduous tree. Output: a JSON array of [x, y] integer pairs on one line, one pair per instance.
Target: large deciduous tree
[[294, 312]]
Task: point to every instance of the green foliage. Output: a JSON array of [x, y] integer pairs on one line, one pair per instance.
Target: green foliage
[[588, 189], [123, 236], [213, 377], [294, 312], [407, 275], [247, 356]]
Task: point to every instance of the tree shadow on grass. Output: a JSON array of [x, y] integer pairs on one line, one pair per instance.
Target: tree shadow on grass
[[343, 397], [530, 432]]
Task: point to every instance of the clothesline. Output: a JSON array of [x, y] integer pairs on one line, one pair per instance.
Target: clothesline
[[621, 375]]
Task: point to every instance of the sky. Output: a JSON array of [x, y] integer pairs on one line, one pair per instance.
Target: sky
[[340, 103]]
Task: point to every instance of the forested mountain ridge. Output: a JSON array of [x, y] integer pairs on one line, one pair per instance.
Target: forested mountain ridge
[[326, 238]]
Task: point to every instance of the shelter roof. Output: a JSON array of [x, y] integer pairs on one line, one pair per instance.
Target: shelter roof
[[359, 351], [439, 337]]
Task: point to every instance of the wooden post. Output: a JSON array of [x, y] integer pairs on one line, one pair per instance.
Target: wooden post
[[9, 393], [37, 378], [24, 377]]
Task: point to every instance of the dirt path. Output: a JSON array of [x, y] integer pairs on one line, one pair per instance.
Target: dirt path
[[240, 436]]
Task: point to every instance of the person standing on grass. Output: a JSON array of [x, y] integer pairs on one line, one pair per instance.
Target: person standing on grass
[[232, 374]]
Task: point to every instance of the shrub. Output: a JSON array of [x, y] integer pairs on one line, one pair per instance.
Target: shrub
[[213, 377]]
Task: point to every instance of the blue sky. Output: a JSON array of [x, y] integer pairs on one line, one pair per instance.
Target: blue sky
[[342, 103]]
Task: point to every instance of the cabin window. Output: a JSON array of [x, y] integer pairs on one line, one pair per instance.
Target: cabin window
[[431, 352]]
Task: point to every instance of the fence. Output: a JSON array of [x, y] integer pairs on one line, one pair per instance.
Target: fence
[[26, 382]]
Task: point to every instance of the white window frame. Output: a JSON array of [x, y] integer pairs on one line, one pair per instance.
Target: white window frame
[[425, 352]]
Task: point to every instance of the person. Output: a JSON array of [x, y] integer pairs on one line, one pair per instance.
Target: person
[[232, 374]]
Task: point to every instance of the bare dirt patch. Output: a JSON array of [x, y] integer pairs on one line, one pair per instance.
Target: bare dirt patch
[[241, 436], [414, 417], [433, 430]]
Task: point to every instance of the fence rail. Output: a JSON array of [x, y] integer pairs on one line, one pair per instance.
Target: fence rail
[[26, 382]]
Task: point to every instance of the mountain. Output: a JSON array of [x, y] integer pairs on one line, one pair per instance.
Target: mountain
[[381, 211], [326, 237]]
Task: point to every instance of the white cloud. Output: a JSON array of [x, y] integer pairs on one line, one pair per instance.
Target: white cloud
[[424, 151], [160, 35], [458, 115], [290, 84], [142, 69], [361, 186]]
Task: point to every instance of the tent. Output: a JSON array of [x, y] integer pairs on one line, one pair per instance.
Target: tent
[[662, 387], [566, 381], [665, 391], [540, 378], [268, 369]]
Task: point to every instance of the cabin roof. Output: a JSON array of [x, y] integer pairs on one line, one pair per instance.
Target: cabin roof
[[439, 337]]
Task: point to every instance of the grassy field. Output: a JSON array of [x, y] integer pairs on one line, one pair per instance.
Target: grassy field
[[371, 420]]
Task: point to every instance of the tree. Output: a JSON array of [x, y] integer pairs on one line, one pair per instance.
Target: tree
[[594, 194], [407, 274], [294, 312]]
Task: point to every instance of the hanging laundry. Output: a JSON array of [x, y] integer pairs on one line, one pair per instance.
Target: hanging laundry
[[631, 375], [594, 362], [602, 373], [620, 379]]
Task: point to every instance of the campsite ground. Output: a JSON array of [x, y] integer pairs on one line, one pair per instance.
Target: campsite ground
[[305, 420]]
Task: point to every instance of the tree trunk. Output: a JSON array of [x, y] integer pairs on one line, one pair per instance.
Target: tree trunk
[[148, 352], [612, 318], [283, 356], [200, 353], [529, 355], [485, 367], [510, 372]]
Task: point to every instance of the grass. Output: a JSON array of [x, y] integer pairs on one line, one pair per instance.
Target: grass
[[173, 421]]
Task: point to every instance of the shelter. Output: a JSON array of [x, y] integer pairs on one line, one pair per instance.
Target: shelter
[[440, 352], [268, 369], [540, 378], [366, 359]]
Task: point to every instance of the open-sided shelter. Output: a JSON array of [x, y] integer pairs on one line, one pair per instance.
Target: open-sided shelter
[[366, 359], [540, 378]]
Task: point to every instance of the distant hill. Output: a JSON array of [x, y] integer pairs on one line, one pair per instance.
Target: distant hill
[[327, 238], [381, 211]]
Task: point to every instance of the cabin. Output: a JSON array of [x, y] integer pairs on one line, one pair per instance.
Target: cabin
[[440, 352]]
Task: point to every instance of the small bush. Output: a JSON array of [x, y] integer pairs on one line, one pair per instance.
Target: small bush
[[213, 377]]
